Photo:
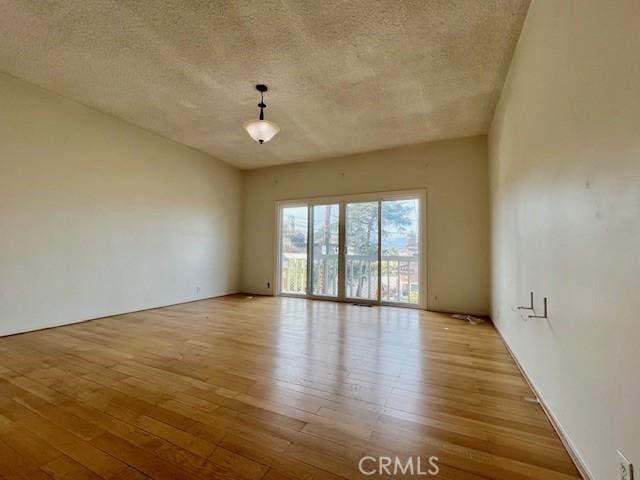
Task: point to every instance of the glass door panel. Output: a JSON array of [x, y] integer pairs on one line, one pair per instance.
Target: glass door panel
[[293, 250], [400, 242], [361, 250], [325, 249]]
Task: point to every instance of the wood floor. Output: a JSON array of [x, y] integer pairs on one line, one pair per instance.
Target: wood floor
[[268, 388]]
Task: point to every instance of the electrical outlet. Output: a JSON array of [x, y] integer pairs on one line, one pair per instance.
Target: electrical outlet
[[626, 469]]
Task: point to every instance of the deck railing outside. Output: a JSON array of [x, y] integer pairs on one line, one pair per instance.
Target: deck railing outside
[[400, 276]]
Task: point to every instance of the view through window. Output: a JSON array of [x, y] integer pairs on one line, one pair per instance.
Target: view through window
[[325, 249], [365, 250], [293, 273], [400, 251], [362, 250]]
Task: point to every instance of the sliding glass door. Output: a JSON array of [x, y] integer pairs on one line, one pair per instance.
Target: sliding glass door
[[365, 248], [294, 222], [325, 249], [400, 244], [362, 250]]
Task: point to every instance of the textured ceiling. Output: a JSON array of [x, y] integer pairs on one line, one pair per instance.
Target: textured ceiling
[[344, 76]]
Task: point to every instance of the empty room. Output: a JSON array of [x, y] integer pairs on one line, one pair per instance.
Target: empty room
[[302, 240]]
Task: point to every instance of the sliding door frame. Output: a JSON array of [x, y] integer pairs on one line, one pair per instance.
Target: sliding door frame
[[277, 281], [311, 252], [342, 200]]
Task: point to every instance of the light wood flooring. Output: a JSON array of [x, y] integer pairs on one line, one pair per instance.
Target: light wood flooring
[[268, 388]]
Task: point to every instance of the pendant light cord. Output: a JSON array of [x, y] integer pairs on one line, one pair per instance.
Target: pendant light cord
[[262, 105]]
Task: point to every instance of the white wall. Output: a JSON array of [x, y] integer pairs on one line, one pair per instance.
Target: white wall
[[99, 217], [565, 183], [455, 176]]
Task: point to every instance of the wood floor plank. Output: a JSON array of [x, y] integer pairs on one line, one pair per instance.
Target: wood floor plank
[[15, 466], [267, 388], [64, 468]]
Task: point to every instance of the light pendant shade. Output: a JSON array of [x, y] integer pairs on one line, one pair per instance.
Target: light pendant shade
[[261, 130]]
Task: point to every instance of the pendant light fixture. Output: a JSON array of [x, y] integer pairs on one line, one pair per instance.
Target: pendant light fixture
[[261, 130]]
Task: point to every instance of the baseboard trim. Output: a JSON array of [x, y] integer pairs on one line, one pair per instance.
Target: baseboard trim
[[557, 426], [349, 301], [76, 322], [577, 460], [459, 312]]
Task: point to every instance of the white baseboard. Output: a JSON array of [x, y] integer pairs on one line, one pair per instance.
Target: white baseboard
[[557, 426], [115, 314]]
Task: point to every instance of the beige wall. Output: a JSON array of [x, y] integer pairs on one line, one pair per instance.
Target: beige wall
[[565, 182], [455, 176], [99, 217]]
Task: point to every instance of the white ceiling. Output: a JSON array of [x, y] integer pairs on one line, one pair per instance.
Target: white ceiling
[[344, 76]]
